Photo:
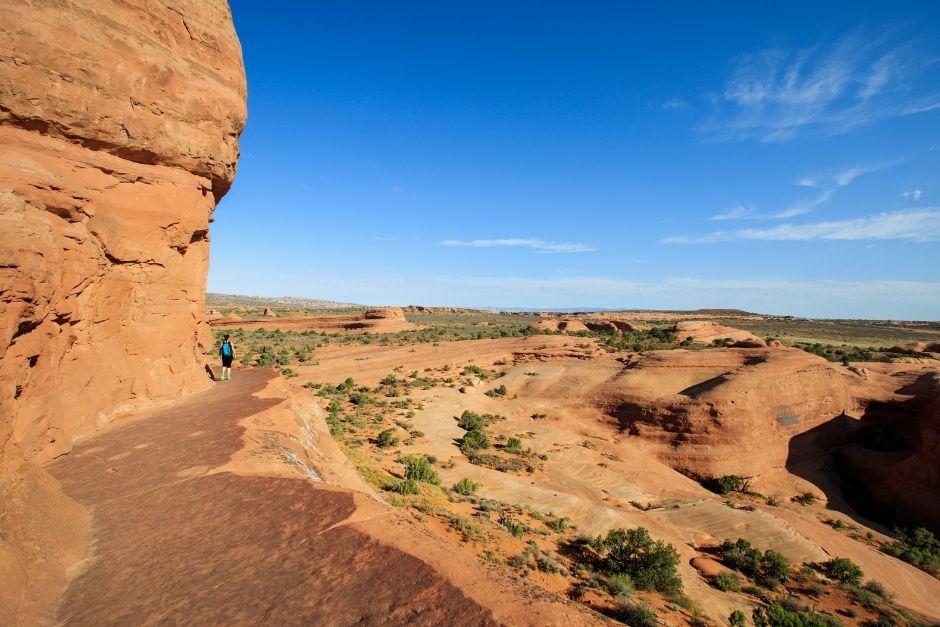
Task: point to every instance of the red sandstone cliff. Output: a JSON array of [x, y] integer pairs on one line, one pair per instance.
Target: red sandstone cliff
[[119, 126]]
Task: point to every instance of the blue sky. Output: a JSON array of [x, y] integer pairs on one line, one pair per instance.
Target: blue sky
[[782, 159]]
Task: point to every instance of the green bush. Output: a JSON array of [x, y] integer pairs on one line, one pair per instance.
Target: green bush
[[470, 420], [636, 614], [727, 582], [727, 484], [807, 498], [619, 585], [918, 547], [737, 619], [767, 568], [466, 486], [419, 469], [514, 445], [777, 615], [500, 391], [473, 441], [651, 564], [406, 486], [559, 524], [387, 438], [843, 570]]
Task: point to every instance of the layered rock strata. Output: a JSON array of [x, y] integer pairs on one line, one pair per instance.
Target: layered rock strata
[[119, 126]]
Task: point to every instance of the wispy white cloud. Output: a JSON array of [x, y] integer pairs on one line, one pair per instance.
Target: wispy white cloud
[[802, 206], [827, 184], [909, 224], [536, 245], [675, 104], [775, 94], [738, 212], [914, 194]]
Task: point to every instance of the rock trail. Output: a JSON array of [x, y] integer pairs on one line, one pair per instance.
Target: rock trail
[[175, 542]]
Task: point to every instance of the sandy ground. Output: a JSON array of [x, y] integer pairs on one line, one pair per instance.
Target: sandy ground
[[593, 471]]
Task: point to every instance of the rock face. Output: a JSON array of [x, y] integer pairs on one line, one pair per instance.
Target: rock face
[[709, 406], [119, 126]]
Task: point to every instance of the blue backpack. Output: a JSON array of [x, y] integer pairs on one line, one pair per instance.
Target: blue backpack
[[226, 349]]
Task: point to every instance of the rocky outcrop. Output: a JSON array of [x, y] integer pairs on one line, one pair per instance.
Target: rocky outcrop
[[119, 126], [706, 332], [711, 406]]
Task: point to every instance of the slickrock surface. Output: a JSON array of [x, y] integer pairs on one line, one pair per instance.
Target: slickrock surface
[[185, 530], [119, 126]]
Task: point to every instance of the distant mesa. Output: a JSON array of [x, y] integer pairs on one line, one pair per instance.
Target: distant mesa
[[385, 313], [378, 320]]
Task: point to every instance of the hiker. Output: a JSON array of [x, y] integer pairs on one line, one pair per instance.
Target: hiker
[[227, 352]]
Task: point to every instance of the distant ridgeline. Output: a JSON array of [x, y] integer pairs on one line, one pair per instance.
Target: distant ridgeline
[[293, 302]]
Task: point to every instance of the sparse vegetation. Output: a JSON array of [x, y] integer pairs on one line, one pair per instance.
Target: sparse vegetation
[[636, 614], [918, 547], [387, 438], [843, 570], [727, 582], [466, 487], [780, 615], [650, 564], [768, 568], [807, 498]]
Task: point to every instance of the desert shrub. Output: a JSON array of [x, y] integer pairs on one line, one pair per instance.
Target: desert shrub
[[727, 582], [514, 445], [636, 614], [651, 564], [466, 486], [360, 398], [406, 486], [876, 587], [767, 568], [807, 498], [777, 615], [558, 524], [387, 438], [500, 391], [773, 569], [727, 484], [473, 441], [513, 526], [772, 501], [470, 420], [737, 619], [918, 547], [419, 469], [843, 570], [475, 370], [619, 585]]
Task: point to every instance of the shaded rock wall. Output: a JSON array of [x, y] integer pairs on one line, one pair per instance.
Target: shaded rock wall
[[119, 125]]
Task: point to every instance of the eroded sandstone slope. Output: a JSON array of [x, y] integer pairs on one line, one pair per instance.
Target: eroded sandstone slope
[[119, 126]]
